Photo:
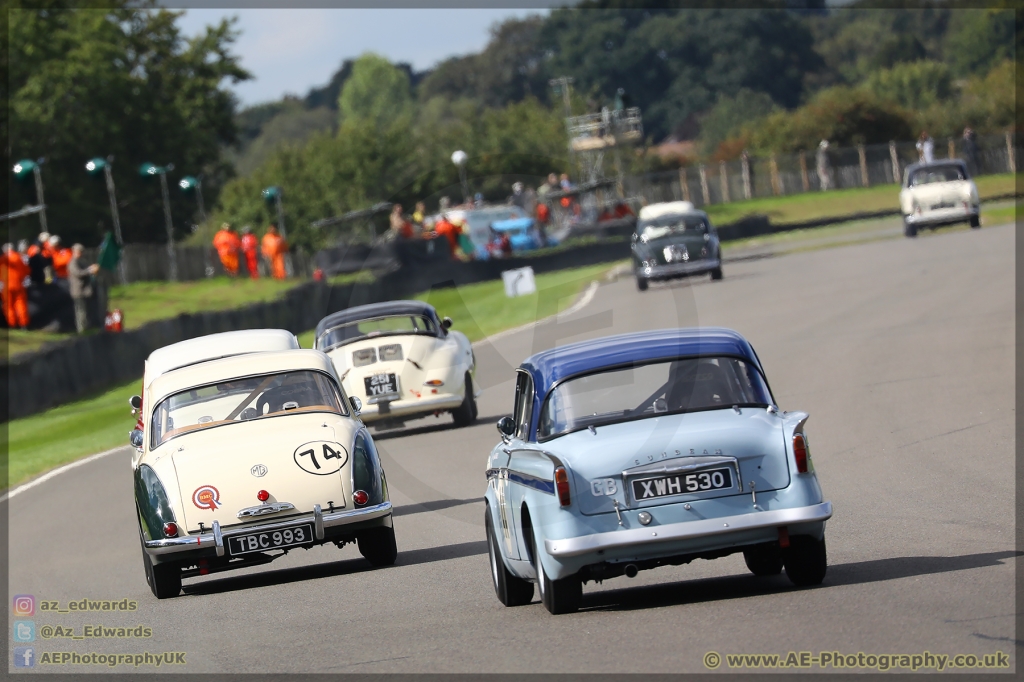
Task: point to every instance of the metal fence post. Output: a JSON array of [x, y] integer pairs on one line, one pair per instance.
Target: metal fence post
[[704, 184], [1010, 160], [683, 184], [803, 172], [862, 155], [895, 162], [773, 167], [723, 180]]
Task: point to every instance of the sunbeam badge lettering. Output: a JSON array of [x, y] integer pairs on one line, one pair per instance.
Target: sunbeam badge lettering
[[206, 497]]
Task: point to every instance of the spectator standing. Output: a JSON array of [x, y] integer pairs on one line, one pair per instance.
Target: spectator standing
[[61, 257], [541, 221], [418, 216], [445, 228], [40, 260], [564, 182], [15, 298], [926, 147], [971, 150], [823, 166], [228, 244], [80, 278], [400, 227], [274, 249], [249, 245], [550, 186]]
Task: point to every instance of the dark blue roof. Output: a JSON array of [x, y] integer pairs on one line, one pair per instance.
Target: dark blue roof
[[551, 366]]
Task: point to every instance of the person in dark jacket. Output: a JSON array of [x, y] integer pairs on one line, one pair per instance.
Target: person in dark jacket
[[80, 281]]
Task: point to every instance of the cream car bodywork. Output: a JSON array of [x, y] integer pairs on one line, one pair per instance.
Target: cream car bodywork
[[425, 360], [939, 203], [210, 475]]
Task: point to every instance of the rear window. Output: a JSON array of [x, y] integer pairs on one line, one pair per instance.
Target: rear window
[[244, 399], [932, 174], [390, 325], [664, 226], [638, 392]]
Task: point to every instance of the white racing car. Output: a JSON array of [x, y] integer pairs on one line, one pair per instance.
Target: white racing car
[[402, 361], [938, 193]]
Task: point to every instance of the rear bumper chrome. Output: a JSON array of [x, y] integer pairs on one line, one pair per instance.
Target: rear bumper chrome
[[941, 216], [411, 407], [651, 535], [215, 538]]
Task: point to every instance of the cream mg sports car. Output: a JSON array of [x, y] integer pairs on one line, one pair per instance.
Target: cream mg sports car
[[402, 361], [938, 193], [245, 458]]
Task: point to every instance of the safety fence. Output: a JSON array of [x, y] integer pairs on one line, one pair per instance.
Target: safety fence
[[752, 177], [152, 262]]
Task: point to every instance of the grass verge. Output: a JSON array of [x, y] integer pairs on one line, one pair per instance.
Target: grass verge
[[63, 434], [797, 208]]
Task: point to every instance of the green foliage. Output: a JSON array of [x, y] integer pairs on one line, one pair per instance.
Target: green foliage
[[912, 85], [292, 126], [844, 116], [980, 39], [730, 115], [376, 91], [122, 81]]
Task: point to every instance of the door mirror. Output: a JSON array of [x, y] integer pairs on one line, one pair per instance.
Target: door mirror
[[136, 439], [136, 402], [446, 323], [356, 403], [506, 427]]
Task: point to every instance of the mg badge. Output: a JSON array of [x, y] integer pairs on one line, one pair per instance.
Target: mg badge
[[259, 471]]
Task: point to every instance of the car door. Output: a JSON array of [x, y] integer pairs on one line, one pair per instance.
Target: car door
[[508, 496]]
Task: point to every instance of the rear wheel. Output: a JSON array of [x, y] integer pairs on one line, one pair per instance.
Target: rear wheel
[[716, 273], [641, 283], [164, 580], [378, 546], [909, 229], [511, 591], [558, 596], [763, 560], [975, 221], [465, 413], [805, 560]]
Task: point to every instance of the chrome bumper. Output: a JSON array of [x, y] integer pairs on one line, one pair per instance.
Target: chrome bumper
[[215, 538], [943, 215], [405, 407], [647, 535], [694, 267]]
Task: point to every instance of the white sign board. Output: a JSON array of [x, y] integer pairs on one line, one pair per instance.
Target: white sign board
[[519, 282]]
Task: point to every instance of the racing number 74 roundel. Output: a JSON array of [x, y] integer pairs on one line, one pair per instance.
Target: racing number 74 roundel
[[321, 457]]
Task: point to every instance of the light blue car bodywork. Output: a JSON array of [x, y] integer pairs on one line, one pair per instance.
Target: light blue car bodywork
[[599, 533]]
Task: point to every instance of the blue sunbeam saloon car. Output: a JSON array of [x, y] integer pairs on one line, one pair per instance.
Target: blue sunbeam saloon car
[[642, 450]]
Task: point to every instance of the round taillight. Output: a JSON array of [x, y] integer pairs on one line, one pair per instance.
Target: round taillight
[[170, 529], [360, 497], [263, 496]]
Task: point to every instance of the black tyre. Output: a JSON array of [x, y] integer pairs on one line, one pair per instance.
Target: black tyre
[[465, 413], [558, 596], [805, 560], [164, 580], [975, 222], [511, 591], [716, 273], [909, 229], [378, 546], [641, 283], [763, 560]]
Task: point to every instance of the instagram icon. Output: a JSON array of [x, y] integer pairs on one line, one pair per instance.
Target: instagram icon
[[24, 605]]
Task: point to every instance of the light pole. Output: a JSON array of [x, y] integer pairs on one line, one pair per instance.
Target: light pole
[[148, 170], [21, 170], [94, 166], [191, 184], [459, 158]]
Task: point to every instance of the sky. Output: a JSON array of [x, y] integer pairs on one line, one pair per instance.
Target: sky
[[289, 51]]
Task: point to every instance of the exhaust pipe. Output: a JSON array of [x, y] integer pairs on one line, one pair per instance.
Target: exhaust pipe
[[631, 570]]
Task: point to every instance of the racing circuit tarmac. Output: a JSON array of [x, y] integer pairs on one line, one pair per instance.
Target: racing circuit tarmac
[[901, 350]]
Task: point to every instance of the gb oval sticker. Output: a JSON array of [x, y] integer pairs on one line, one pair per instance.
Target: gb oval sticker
[[321, 457]]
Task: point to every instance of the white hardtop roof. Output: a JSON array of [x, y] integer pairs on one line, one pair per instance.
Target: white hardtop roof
[[666, 208], [213, 346], [238, 366]]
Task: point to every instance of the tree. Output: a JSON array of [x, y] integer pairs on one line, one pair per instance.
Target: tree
[[376, 91], [912, 85], [119, 81], [727, 118], [980, 39]]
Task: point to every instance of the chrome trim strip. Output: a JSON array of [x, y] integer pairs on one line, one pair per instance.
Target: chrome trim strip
[[686, 530], [191, 542], [318, 522], [218, 538]]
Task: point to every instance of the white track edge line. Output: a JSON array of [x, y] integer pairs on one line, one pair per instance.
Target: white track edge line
[[579, 305]]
